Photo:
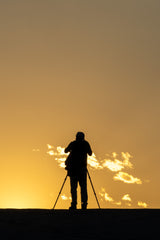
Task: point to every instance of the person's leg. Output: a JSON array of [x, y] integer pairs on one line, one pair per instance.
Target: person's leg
[[83, 185], [73, 183]]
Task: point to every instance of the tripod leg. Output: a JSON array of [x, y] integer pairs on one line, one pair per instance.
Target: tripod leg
[[60, 191], [93, 189]]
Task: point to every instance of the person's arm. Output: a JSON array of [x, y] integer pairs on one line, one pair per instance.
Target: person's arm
[[89, 150], [68, 149]]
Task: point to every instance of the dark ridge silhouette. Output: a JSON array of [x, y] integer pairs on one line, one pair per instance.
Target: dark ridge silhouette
[[92, 224]]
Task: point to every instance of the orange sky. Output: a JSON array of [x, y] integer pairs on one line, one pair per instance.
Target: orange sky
[[72, 65]]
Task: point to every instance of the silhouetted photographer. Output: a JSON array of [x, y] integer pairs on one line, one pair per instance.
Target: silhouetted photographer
[[76, 165]]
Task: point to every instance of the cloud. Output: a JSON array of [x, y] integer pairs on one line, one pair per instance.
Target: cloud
[[58, 153], [60, 157], [126, 178], [115, 164], [118, 203], [64, 197], [36, 150], [49, 146], [142, 204], [126, 159], [93, 162], [126, 197], [105, 195], [128, 204]]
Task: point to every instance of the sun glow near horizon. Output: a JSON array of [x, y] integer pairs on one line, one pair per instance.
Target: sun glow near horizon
[[17, 203]]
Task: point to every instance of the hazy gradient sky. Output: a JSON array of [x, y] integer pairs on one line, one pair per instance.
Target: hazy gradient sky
[[70, 65]]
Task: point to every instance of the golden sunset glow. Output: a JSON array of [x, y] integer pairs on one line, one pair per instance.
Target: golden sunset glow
[[69, 66]]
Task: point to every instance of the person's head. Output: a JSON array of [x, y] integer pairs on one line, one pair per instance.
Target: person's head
[[80, 136]]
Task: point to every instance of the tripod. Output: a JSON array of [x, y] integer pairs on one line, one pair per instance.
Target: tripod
[[91, 186]]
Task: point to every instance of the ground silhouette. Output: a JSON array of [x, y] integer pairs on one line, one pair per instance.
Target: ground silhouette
[[90, 224]]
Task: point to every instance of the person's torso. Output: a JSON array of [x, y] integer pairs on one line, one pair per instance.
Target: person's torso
[[79, 153]]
